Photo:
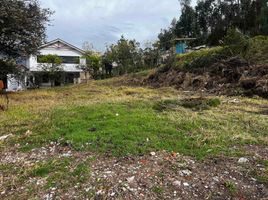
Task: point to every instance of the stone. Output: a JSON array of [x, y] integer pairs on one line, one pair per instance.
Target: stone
[[186, 184], [243, 160], [186, 172], [152, 153], [176, 183], [130, 179], [5, 137]]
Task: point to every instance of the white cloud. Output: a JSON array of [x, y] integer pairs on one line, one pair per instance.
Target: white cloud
[[104, 21]]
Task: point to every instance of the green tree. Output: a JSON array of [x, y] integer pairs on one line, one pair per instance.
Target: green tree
[[127, 54], [92, 65], [52, 66], [22, 29]]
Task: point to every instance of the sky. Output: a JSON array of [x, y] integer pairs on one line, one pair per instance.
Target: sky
[[102, 22]]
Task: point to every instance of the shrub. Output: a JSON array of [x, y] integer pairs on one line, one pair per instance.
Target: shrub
[[213, 102], [235, 42], [200, 103], [258, 50], [202, 58]]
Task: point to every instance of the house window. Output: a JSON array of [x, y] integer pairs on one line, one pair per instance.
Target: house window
[[65, 59], [70, 59]]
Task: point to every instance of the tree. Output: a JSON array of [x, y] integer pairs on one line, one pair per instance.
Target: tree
[[22, 28], [91, 65], [126, 53], [210, 20], [51, 65], [151, 55]]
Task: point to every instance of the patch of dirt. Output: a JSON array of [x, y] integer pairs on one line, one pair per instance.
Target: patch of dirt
[[233, 77], [158, 175]]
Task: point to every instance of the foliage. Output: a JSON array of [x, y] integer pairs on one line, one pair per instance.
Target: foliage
[[151, 55], [22, 27], [22, 30], [258, 50], [92, 64], [210, 20], [51, 65], [126, 53], [254, 50], [231, 187], [6, 67], [236, 42], [202, 58]]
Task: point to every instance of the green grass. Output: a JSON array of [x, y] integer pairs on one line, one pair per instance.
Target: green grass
[[231, 187], [123, 120]]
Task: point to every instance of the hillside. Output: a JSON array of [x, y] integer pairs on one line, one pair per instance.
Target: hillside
[[237, 69], [109, 140]]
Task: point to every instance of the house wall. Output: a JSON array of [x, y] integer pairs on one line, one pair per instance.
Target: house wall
[[60, 51]]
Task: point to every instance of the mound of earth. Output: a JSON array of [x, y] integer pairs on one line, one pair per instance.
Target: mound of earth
[[234, 76]]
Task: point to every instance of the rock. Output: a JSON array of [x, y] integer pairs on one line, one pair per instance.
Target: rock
[[186, 172], [186, 184], [5, 137], [152, 153], [176, 183], [130, 179], [215, 178], [243, 160], [100, 192]]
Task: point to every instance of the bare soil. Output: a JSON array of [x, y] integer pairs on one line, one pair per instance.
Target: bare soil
[[232, 77]]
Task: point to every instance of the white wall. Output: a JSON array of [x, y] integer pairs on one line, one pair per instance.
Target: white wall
[[63, 51], [13, 84]]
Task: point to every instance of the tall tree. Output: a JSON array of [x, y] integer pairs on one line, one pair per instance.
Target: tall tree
[[22, 31], [126, 53], [22, 27]]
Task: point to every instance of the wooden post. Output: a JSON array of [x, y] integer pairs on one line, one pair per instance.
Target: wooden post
[[3, 93]]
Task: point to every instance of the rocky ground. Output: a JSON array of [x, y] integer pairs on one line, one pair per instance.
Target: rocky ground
[[158, 175]]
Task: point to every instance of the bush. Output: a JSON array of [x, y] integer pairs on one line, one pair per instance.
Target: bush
[[213, 102], [200, 103], [236, 43], [258, 50], [254, 50], [202, 58]]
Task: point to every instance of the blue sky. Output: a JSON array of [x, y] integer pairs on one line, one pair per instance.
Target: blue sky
[[102, 22]]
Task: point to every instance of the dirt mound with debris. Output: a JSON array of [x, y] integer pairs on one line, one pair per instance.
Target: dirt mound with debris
[[234, 76]]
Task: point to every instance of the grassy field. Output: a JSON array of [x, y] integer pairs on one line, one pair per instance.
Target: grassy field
[[125, 120], [63, 141]]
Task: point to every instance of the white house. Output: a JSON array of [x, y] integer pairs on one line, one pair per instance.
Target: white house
[[35, 75]]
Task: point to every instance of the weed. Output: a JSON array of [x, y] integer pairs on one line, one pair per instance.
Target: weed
[[158, 190], [231, 187], [200, 103]]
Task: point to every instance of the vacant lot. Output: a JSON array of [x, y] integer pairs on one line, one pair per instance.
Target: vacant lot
[[104, 140]]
